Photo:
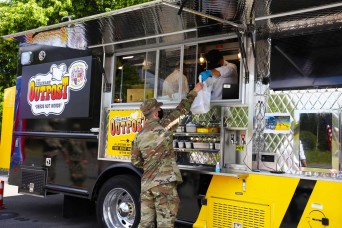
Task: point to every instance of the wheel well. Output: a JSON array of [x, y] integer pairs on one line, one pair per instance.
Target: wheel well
[[109, 173]]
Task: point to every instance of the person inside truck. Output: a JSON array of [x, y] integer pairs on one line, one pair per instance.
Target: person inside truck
[[171, 85], [218, 73], [152, 150]]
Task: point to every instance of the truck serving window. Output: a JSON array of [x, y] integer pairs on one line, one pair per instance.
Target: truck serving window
[[135, 77], [172, 77]]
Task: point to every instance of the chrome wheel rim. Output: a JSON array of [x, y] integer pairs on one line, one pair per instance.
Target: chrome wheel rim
[[119, 209]]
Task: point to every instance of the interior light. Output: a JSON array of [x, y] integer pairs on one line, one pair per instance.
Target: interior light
[[128, 57], [239, 55], [201, 59]]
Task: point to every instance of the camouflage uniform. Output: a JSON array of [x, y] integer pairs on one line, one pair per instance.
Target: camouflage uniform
[[152, 150]]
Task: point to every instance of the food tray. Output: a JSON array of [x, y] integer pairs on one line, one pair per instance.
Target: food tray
[[200, 145], [190, 128], [217, 146], [207, 130], [180, 128]]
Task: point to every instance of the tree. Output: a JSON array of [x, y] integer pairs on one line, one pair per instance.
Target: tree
[[20, 15]]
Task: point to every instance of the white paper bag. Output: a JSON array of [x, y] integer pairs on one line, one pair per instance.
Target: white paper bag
[[201, 104]]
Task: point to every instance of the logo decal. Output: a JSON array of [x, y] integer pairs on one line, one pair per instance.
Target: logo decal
[[49, 93]]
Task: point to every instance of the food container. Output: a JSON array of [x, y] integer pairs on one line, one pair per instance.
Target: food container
[[214, 129], [180, 128], [217, 146], [200, 145], [175, 143], [191, 128], [207, 130], [202, 130], [181, 144], [188, 144]]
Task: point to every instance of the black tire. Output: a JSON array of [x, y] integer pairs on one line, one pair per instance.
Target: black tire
[[118, 203]]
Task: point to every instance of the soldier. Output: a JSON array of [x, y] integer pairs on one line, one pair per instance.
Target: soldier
[[152, 150]]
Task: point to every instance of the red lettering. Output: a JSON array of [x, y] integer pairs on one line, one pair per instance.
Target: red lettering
[[128, 126], [31, 91], [134, 126], [65, 83], [111, 125], [48, 93], [42, 90], [139, 126], [37, 92], [53, 92], [59, 92], [117, 128], [123, 124]]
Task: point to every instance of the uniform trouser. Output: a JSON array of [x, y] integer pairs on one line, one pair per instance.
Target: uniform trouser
[[161, 203]]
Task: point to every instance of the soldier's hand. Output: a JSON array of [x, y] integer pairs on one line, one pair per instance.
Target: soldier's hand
[[198, 87]]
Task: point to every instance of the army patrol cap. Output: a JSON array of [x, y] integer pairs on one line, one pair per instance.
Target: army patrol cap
[[149, 106]]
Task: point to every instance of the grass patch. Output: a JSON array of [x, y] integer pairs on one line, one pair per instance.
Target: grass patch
[[318, 157]]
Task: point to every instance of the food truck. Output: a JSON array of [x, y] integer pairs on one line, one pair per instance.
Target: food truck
[[81, 82]]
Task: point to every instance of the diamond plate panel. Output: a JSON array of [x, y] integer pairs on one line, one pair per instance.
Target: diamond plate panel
[[235, 117], [210, 119], [288, 102], [197, 157], [284, 102]]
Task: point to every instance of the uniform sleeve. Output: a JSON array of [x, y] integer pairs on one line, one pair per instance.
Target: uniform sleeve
[[136, 156], [185, 85], [182, 109]]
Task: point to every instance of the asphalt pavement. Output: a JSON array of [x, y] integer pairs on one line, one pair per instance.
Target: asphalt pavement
[[24, 211]]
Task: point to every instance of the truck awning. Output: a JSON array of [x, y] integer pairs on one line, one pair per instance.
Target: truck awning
[[292, 17], [150, 24]]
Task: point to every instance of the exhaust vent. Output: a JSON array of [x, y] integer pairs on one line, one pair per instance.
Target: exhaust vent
[[230, 213]]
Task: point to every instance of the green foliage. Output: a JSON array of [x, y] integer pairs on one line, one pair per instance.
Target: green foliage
[[318, 158], [21, 16], [8, 63], [308, 140]]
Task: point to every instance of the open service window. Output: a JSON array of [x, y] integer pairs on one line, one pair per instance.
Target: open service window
[[159, 74], [178, 75], [222, 56], [169, 73], [173, 81]]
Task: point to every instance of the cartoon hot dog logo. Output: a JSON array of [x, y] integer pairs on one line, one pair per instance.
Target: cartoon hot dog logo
[[49, 93]]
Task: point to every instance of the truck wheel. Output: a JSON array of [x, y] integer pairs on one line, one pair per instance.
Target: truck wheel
[[118, 202]]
